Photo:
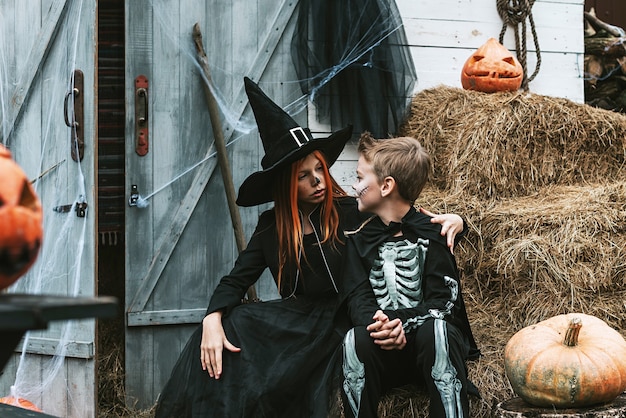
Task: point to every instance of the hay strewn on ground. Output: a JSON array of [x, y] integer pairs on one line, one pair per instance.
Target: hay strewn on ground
[[541, 185]]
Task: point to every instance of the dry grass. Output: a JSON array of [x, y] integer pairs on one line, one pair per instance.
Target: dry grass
[[111, 393], [513, 144]]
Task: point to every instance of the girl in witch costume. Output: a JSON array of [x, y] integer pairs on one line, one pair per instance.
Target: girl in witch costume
[[277, 358]]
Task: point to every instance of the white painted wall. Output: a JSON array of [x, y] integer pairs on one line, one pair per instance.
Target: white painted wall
[[442, 34]]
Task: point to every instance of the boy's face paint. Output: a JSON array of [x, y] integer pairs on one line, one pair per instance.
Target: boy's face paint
[[365, 186], [362, 191]]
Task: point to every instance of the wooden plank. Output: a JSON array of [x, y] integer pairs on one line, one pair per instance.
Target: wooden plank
[[172, 142], [81, 398], [33, 65], [344, 172], [138, 55], [518, 408], [57, 398], [178, 139], [545, 14], [50, 347], [224, 42], [166, 317], [140, 23], [169, 241], [31, 369], [472, 35]]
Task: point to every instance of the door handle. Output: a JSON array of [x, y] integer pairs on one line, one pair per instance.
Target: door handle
[[141, 115], [77, 126]]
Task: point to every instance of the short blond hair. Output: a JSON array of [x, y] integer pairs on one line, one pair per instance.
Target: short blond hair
[[402, 158]]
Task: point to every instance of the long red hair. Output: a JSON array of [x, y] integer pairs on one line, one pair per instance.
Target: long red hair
[[288, 222]]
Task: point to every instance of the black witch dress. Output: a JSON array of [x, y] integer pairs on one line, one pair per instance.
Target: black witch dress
[[289, 347]]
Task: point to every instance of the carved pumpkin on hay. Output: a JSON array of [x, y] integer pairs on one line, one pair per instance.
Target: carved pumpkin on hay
[[20, 402], [492, 68], [20, 221], [567, 361]]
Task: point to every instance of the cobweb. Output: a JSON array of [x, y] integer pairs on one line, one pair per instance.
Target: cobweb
[[40, 145], [362, 74]]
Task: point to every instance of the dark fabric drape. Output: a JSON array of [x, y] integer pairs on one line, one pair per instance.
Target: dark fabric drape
[[351, 57]]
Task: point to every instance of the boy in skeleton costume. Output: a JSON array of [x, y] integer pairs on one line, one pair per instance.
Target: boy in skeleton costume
[[397, 267]]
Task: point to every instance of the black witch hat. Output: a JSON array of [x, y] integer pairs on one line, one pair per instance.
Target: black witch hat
[[284, 142]]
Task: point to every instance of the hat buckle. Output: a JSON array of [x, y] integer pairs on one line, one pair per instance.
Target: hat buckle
[[299, 136]]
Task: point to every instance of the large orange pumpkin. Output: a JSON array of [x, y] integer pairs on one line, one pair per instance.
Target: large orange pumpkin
[[492, 68], [567, 361], [20, 221], [20, 402]]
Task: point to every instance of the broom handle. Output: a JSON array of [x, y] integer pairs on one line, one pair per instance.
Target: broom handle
[[222, 156]]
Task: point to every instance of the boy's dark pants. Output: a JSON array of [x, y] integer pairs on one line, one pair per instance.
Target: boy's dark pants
[[373, 371]]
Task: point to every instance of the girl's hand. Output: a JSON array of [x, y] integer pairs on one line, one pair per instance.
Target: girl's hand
[[213, 343], [451, 225]]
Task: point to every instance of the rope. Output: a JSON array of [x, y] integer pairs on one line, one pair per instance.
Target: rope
[[514, 13]]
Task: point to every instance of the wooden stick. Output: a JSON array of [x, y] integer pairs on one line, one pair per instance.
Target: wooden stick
[[39, 177], [599, 25], [220, 145]]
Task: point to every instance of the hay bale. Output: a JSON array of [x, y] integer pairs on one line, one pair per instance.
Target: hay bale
[[514, 143], [557, 251]]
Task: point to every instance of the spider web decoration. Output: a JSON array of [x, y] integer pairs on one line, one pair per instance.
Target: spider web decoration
[[353, 60]]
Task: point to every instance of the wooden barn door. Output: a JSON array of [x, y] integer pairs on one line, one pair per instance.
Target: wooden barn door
[[48, 94], [179, 237]]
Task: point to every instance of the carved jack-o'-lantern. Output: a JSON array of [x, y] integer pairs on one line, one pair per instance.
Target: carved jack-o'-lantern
[[492, 68], [20, 221]]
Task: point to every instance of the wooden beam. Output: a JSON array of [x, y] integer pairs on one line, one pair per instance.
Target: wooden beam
[[34, 63], [168, 317], [169, 241], [50, 346]]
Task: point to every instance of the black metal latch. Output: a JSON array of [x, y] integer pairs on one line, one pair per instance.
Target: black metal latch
[[81, 208], [134, 196]]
